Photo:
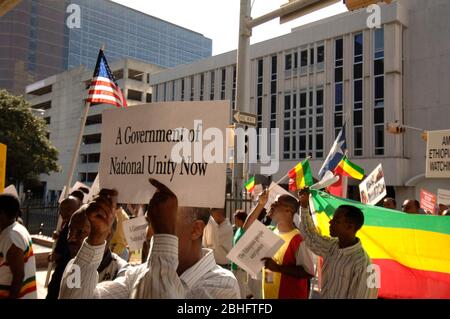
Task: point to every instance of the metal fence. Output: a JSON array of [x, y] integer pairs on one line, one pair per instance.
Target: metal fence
[[39, 216], [233, 204]]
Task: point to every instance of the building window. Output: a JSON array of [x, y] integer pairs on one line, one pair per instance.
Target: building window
[[288, 62], [202, 86], [182, 89], [358, 95], [191, 98], [134, 95], [379, 91], [338, 86], [165, 91], [92, 139], [222, 87], [233, 90], [174, 90], [259, 100], [212, 81], [94, 119], [148, 98], [320, 54], [273, 92]]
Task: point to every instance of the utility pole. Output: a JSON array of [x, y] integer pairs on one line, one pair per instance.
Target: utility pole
[[292, 9]]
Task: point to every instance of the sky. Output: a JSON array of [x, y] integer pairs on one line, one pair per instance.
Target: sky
[[219, 19]]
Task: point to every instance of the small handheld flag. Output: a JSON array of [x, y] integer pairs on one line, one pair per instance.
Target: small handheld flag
[[104, 87], [300, 176], [250, 185], [347, 168]]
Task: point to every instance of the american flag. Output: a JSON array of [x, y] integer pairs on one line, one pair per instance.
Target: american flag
[[104, 88]]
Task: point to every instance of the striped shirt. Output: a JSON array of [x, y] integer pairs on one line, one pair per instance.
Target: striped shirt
[[345, 271], [155, 279], [17, 235]]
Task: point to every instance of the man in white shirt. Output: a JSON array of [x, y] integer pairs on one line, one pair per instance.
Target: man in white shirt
[[219, 236], [177, 266]]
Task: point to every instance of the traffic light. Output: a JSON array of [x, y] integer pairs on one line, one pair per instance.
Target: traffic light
[[395, 128], [358, 4]]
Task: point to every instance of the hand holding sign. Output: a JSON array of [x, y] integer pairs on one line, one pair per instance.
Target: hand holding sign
[[162, 210], [101, 213]]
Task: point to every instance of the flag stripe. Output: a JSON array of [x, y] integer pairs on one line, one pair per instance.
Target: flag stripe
[[351, 169], [301, 176], [398, 280]]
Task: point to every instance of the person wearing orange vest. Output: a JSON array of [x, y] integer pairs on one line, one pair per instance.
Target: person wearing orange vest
[[287, 274]]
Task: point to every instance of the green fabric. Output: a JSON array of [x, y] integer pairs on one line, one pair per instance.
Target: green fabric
[[237, 235]]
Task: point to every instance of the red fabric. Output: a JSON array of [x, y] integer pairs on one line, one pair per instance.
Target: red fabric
[[336, 189], [398, 281], [290, 287]]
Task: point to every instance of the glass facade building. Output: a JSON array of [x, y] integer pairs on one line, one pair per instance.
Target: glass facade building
[[36, 41]]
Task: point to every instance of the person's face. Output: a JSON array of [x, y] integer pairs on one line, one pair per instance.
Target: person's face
[[79, 229], [409, 207], [281, 211], [218, 216], [339, 226], [388, 203], [68, 207], [188, 230], [239, 223]]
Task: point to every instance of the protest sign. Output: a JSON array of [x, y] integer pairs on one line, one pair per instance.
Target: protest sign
[[256, 243], [427, 201], [11, 189], [373, 188], [443, 197], [181, 144], [438, 154], [135, 231], [274, 191], [2, 166]]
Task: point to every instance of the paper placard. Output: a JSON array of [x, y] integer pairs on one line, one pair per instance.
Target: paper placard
[[135, 231], [373, 188], [427, 201], [443, 197], [274, 191], [256, 243], [144, 141]]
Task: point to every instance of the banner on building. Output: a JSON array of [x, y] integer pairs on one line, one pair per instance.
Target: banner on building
[[2, 166], [373, 188], [427, 201], [181, 144], [438, 154]]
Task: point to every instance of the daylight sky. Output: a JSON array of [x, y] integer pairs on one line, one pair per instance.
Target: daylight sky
[[219, 19]]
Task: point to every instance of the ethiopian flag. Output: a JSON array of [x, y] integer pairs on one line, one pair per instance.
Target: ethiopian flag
[[250, 184], [301, 176], [347, 168], [412, 251]]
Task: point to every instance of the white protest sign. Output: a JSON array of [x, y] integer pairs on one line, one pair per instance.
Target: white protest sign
[[11, 189], [135, 231], [438, 154], [181, 144], [373, 188], [274, 191], [256, 243], [443, 196], [94, 190]]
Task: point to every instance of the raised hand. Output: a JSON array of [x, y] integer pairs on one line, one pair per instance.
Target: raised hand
[[101, 212], [162, 209], [263, 197]]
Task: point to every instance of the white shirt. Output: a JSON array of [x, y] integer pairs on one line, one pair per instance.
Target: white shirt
[[17, 235], [220, 239], [155, 279], [345, 271]]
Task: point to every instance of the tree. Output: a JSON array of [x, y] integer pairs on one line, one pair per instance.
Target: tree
[[29, 152]]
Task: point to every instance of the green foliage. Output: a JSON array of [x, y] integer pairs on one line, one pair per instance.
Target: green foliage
[[29, 152]]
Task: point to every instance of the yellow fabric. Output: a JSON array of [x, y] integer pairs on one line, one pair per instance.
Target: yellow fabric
[[271, 280], [118, 242]]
